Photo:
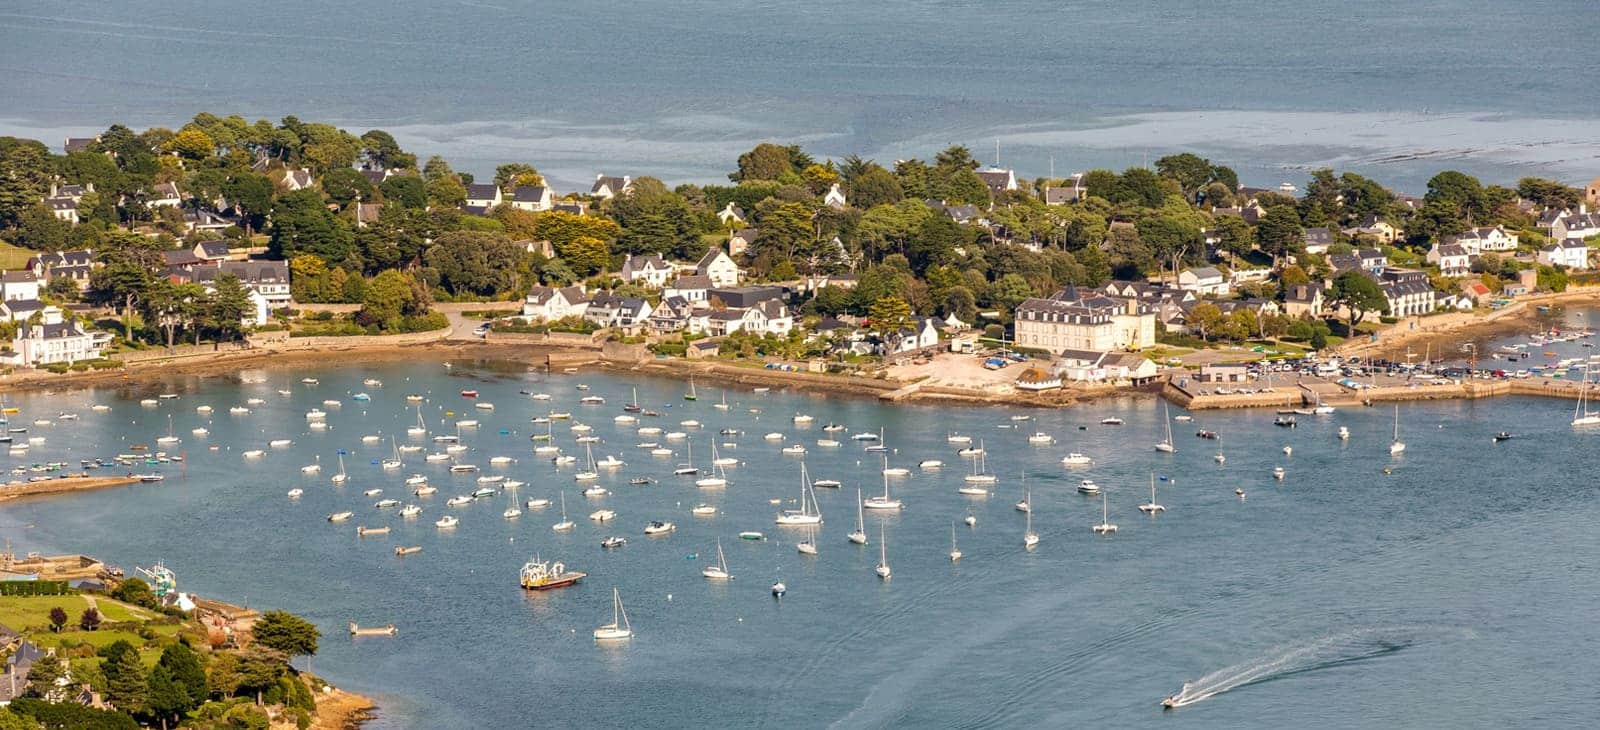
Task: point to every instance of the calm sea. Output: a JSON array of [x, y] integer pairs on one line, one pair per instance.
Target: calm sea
[[679, 89], [1445, 592]]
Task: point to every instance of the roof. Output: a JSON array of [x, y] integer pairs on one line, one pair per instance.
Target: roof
[[1058, 196], [166, 189], [180, 257], [249, 272], [1206, 272], [748, 234], [694, 281], [22, 305], [1318, 235], [1451, 249], [610, 182], [22, 276], [712, 256], [1302, 293], [530, 192], [482, 191], [1036, 375]]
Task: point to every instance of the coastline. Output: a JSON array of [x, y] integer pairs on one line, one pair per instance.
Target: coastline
[[80, 483]]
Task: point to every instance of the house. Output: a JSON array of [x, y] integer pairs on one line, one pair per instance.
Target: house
[[1408, 295], [814, 282], [575, 207], [962, 214], [164, 195], [1477, 291], [22, 284], [607, 187], [691, 288], [671, 315], [742, 240], [1207, 281], [536, 198], [1073, 193], [719, 267], [743, 297], [648, 269], [1129, 367], [1303, 301], [1070, 319], [1515, 288], [1567, 224], [606, 309], [1317, 240], [717, 323], [64, 209], [731, 214], [702, 349], [20, 310], [293, 180], [74, 265], [55, 340], [1037, 379], [182, 259], [483, 196], [834, 198], [770, 316], [1571, 253], [207, 220], [542, 248], [1452, 259], [1370, 260], [1376, 227], [1226, 372], [78, 144], [1591, 192], [999, 180], [367, 213], [1480, 240], [266, 281], [922, 332], [549, 304]]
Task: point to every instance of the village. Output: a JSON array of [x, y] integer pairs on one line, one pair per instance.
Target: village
[[1001, 286]]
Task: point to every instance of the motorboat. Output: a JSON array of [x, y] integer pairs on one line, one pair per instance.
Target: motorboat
[[539, 503], [614, 541], [1111, 421], [703, 510], [603, 515], [1088, 486], [1076, 459], [447, 522], [1041, 438], [1503, 436], [386, 503], [826, 483], [410, 510], [341, 516], [296, 493], [459, 500], [930, 464], [657, 527]]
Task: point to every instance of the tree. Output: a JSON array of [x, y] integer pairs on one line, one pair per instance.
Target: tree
[[768, 161], [229, 305], [58, 618], [122, 283], [134, 591], [165, 698], [406, 191], [1204, 318], [44, 678], [475, 263], [1009, 292], [253, 194], [1354, 290], [1549, 193], [346, 185], [1234, 236], [874, 186], [1459, 194], [1189, 171], [585, 255], [191, 143], [1138, 186], [889, 314], [25, 175], [389, 296], [126, 686], [1279, 232], [287, 633], [960, 302], [302, 224], [185, 667], [89, 620], [509, 176]]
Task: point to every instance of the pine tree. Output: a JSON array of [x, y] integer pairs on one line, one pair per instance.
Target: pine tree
[[126, 686]]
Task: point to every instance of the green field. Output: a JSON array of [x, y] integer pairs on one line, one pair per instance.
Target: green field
[[33, 612], [12, 257]]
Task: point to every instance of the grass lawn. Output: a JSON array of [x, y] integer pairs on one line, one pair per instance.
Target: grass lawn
[[118, 611], [13, 257], [97, 639], [33, 612]]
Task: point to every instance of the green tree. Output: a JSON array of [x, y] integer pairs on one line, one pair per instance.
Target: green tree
[[228, 306], [961, 302], [126, 686], [768, 161], [191, 143], [475, 263], [346, 185], [1190, 171], [874, 186], [585, 255], [889, 314], [1360, 294], [1549, 193], [1279, 232], [387, 297], [1204, 319], [287, 633], [44, 677], [253, 194], [186, 669], [166, 699], [25, 175], [406, 191], [1009, 291], [508, 176], [302, 224]]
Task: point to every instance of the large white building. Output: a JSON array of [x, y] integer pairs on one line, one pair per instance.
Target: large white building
[[56, 340], [1086, 320]]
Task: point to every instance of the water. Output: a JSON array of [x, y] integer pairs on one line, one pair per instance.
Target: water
[[1444, 593], [679, 89]]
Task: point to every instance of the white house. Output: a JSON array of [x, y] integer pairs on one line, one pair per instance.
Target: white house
[[923, 332], [719, 267], [549, 304], [19, 285], [834, 198], [484, 195], [741, 240], [607, 187], [731, 214], [999, 180], [672, 315], [649, 269], [609, 310], [1204, 281], [692, 288], [1452, 259], [74, 265], [19, 310], [164, 195], [1480, 240], [771, 317], [64, 209], [56, 340], [536, 198], [297, 179], [1571, 253]]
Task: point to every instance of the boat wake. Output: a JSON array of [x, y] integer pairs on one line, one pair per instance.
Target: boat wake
[[1287, 661]]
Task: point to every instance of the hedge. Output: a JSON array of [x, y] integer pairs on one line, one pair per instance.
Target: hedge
[[34, 588]]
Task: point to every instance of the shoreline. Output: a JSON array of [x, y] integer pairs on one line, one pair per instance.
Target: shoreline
[[64, 485]]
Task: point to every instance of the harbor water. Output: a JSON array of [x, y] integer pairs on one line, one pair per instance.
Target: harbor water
[[1439, 587]]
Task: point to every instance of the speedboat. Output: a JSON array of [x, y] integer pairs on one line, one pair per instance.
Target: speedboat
[[1088, 486], [459, 500], [659, 528], [615, 541], [930, 464], [1076, 459], [602, 515], [1503, 436], [446, 522], [340, 516], [1111, 421]]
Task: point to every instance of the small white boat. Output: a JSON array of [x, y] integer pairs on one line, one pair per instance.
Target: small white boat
[[462, 468], [677, 436], [625, 419], [491, 479], [1088, 486], [296, 493], [930, 464], [828, 443], [436, 457], [340, 516], [661, 451], [455, 448], [1041, 438], [691, 423], [316, 414], [1076, 459], [1152, 507], [410, 510], [238, 410], [650, 431], [774, 436], [595, 490], [1344, 433], [720, 570], [100, 408], [279, 443], [659, 528], [620, 629], [255, 401], [830, 483], [1277, 473], [311, 468], [149, 402], [446, 522], [539, 503], [883, 555], [467, 423], [416, 480], [955, 552], [426, 490], [610, 462], [200, 431], [794, 450], [801, 418], [859, 535], [1397, 446], [459, 500], [1111, 421], [1030, 539], [500, 460], [703, 510], [602, 515], [483, 406], [386, 503], [884, 502], [253, 454], [1105, 527]]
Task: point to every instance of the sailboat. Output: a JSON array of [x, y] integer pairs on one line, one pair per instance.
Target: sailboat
[[341, 477], [590, 471], [687, 468], [1397, 446], [859, 535], [884, 502], [808, 546], [883, 555], [421, 428], [565, 524], [1581, 415], [1219, 458], [809, 513], [619, 629], [955, 552], [169, 438], [974, 482], [721, 460], [1166, 445], [718, 476], [1152, 507], [393, 463], [691, 395], [633, 405], [1105, 527], [1029, 537], [720, 570], [722, 406]]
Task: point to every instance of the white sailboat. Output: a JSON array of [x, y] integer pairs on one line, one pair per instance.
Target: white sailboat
[[1166, 446], [1152, 507], [169, 438], [1397, 446], [720, 570], [688, 468], [1105, 527], [719, 476], [565, 524], [619, 629], [1581, 415], [809, 513], [421, 429], [721, 460], [955, 552], [722, 406], [1219, 458], [341, 477], [885, 502], [590, 471], [859, 535], [394, 461], [883, 555], [974, 482], [808, 546], [1030, 539]]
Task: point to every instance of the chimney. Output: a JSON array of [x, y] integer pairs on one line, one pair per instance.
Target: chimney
[[1133, 307]]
